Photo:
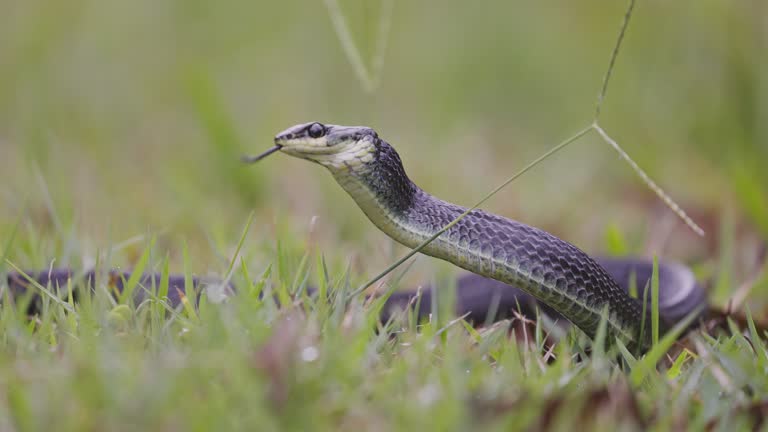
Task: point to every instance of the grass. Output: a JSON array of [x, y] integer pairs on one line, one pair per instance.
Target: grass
[[323, 363], [119, 149]]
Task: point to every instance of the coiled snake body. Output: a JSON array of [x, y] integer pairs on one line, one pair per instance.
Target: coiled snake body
[[513, 263]]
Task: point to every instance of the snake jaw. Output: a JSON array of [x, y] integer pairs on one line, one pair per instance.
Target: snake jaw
[[341, 149]]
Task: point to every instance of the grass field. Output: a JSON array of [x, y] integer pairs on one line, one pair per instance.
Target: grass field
[[121, 128]]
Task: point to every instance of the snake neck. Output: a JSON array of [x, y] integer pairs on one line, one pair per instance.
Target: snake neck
[[380, 187]]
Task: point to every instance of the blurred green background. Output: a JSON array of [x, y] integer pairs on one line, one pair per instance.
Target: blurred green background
[[120, 119]]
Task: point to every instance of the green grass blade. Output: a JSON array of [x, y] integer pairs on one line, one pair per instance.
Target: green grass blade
[[246, 276], [189, 286], [616, 244], [48, 293], [240, 244], [757, 342], [644, 315], [301, 275], [165, 274], [130, 285], [647, 364], [598, 343], [323, 279], [258, 287], [677, 366], [633, 285], [381, 300], [628, 357]]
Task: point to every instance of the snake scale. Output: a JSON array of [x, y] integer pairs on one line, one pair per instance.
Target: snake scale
[[513, 265]]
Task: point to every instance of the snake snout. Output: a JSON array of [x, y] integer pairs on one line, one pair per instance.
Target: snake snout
[[296, 132]]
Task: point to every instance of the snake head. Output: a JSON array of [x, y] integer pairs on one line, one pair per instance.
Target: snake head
[[339, 148]]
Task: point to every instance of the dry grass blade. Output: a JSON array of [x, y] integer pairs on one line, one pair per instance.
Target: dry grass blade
[[598, 107], [369, 81], [612, 61], [649, 182]]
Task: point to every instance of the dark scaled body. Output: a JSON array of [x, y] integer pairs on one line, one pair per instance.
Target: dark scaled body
[[552, 270]]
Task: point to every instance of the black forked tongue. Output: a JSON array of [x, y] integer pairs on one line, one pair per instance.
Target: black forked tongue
[[253, 159]]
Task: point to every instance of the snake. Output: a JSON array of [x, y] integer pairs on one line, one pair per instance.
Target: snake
[[555, 272], [513, 266]]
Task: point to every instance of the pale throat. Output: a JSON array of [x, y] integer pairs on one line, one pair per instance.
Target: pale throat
[[353, 157]]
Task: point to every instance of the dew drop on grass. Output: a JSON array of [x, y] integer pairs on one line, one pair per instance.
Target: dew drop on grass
[[310, 354]]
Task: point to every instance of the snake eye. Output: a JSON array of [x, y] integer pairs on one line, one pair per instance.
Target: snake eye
[[316, 130]]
